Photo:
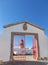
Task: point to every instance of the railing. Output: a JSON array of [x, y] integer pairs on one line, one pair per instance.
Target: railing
[[24, 51]]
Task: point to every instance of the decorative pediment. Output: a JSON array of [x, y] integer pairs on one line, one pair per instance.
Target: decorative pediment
[[24, 26]]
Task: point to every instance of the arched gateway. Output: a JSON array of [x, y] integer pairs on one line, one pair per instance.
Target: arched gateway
[[23, 41]]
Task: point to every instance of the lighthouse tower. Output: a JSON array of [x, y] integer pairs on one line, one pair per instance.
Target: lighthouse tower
[[22, 44]]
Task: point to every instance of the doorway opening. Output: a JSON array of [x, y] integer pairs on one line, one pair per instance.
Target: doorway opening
[[24, 47]]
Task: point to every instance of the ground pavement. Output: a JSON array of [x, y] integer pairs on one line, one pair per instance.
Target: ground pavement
[[25, 63]]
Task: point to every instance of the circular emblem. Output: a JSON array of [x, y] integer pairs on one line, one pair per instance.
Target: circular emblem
[[25, 26]]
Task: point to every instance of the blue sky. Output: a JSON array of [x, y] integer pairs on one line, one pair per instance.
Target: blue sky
[[34, 11]]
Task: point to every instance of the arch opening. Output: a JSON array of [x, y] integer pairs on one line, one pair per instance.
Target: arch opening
[[24, 46]]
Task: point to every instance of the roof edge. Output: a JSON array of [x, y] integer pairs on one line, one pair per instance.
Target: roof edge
[[9, 25]]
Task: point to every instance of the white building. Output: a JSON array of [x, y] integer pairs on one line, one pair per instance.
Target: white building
[[26, 28]]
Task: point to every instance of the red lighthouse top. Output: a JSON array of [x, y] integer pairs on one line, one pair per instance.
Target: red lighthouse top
[[22, 44]]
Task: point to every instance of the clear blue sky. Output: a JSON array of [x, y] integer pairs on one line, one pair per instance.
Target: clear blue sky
[[35, 11]]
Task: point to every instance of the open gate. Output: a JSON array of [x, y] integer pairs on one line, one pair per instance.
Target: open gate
[[24, 48]]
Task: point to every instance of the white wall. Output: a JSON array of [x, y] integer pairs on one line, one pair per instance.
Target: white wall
[[5, 47], [43, 45], [46, 39], [5, 40]]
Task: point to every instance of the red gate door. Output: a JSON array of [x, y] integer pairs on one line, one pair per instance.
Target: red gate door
[[34, 49]]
